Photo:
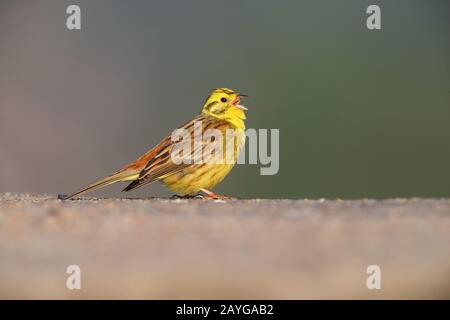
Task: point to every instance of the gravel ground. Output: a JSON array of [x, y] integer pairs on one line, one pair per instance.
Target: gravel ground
[[189, 249]]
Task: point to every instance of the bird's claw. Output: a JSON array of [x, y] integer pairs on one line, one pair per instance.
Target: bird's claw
[[208, 196]]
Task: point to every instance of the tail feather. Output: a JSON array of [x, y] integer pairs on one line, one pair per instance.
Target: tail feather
[[121, 176], [131, 186]]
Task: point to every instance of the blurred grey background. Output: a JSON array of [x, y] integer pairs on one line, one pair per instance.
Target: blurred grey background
[[361, 113]]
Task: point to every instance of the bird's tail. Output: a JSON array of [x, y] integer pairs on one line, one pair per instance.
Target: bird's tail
[[119, 176]]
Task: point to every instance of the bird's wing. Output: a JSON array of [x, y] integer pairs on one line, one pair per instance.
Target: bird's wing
[[159, 162]]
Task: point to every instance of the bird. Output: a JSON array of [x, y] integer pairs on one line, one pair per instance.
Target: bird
[[222, 112]]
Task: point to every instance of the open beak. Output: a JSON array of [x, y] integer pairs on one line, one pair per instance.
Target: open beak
[[241, 107], [238, 99]]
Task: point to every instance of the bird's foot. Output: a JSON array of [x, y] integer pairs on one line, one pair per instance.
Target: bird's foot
[[214, 196], [195, 196], [209, 196]]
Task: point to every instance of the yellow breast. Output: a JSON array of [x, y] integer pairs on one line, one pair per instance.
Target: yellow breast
[[206, 175]]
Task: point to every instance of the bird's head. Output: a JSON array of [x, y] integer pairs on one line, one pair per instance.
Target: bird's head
[[224, 104]]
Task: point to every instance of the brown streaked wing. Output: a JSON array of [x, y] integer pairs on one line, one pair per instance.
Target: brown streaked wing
[[161, 165]]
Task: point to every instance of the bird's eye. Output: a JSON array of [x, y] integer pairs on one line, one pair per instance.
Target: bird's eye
[[223, 99]]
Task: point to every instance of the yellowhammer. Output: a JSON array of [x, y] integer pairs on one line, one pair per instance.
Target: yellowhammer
[[221, 112]]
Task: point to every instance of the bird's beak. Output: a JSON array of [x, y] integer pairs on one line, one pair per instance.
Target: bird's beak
[[237, 105], [241, 107]]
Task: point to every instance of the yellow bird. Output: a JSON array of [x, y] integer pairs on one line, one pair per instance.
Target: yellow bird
[[222, 112]]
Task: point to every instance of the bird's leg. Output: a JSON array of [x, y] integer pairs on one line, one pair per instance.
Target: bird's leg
[[215, 196], [195, 196]]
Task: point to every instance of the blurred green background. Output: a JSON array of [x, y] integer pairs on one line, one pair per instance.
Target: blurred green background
[[361, 113]]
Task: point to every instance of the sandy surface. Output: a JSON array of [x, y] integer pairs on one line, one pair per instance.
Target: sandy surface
[[160, 248]]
